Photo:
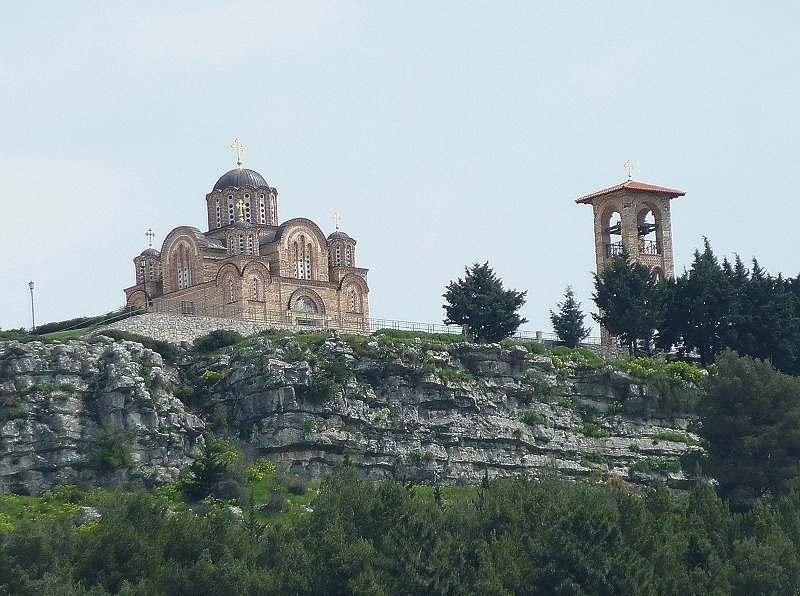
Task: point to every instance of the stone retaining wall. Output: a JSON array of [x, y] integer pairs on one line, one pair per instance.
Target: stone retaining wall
[[179, 329]]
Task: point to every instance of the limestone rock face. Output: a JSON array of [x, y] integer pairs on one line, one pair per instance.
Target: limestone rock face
[[446, 414], [98, 413], [105, 412]]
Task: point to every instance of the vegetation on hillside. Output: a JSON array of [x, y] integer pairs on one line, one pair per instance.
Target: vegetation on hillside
[[508, 536], [704, 311]]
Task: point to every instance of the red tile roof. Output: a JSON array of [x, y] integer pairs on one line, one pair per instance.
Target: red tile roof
[[632, 185]]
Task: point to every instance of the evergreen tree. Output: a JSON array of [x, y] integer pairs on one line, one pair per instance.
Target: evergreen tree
[[700, 313], [631, 301], [568, 322], [479, 303], [750, 420]]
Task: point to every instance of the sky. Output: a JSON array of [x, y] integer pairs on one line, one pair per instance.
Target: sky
[[445, 133]]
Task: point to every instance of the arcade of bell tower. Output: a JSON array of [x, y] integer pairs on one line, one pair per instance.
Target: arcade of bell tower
[[637, 216]]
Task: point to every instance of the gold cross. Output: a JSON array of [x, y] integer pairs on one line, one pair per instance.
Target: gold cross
[[629, 166], [149, 233], [238, 147], [337, 218], [240, 205]]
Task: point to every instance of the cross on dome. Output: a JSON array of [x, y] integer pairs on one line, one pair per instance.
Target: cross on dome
[[337, 218], [238, 147], [149, 233]]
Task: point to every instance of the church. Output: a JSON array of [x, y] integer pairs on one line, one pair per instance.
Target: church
[[248, 266]]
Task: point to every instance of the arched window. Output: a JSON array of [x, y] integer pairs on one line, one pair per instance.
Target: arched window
[[348, 256], [250, 244], [231, 295], [302, 258], [254, 289], [612, 234], [182, 267], [262, 210], [273, 210], [247, 211], [646, 228], [231, 210], [218, 209], [305, 304], [241, 243], [337, 256], [353, 300]]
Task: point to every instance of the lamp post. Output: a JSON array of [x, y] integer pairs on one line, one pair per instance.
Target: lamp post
[[33, 316]]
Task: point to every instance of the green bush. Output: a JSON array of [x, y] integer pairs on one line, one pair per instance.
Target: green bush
[[593, 430], [532, 418], [219, 338], [113, 449], [168, 351], [402, 335]]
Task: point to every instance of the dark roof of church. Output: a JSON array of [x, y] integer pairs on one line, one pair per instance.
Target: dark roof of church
[[240, 177], [150, 252], [632, 185], [339, 235]]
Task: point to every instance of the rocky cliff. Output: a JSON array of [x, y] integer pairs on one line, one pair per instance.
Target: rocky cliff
[[105, 412]]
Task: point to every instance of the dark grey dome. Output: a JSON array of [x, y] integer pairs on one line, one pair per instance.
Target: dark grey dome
[[150, 252], [338, 235], [240, 177]]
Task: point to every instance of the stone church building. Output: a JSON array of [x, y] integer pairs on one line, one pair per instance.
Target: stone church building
[[249, 266]]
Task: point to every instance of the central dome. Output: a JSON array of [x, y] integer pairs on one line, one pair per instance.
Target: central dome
[[240, 177]]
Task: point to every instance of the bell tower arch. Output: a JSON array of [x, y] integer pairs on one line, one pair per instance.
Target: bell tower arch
[[637, 216]]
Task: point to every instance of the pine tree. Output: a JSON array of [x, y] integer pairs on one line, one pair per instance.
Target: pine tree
[[479, 303], [631, 302], [568, 322]]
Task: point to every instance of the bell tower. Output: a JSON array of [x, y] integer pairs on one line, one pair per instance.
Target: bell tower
[[635, 215]]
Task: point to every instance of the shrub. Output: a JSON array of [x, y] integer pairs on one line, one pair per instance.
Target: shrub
[[293, 484], [593, 430], [532, 418], [168, 351], [219, 338], [113, 449], [276, 503]]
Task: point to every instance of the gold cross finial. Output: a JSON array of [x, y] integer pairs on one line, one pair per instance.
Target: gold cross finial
[[238, 147], [240, 205], [337, 218], [149, 233], [629, 166]]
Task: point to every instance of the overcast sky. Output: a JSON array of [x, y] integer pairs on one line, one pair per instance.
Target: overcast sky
[[445, 133]]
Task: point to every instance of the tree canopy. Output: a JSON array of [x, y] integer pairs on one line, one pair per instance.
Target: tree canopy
[[568, 321], [709, 308], [479, 303], [631, 302]]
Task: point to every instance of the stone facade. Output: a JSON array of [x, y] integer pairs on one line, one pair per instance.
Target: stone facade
[[247, 266]]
